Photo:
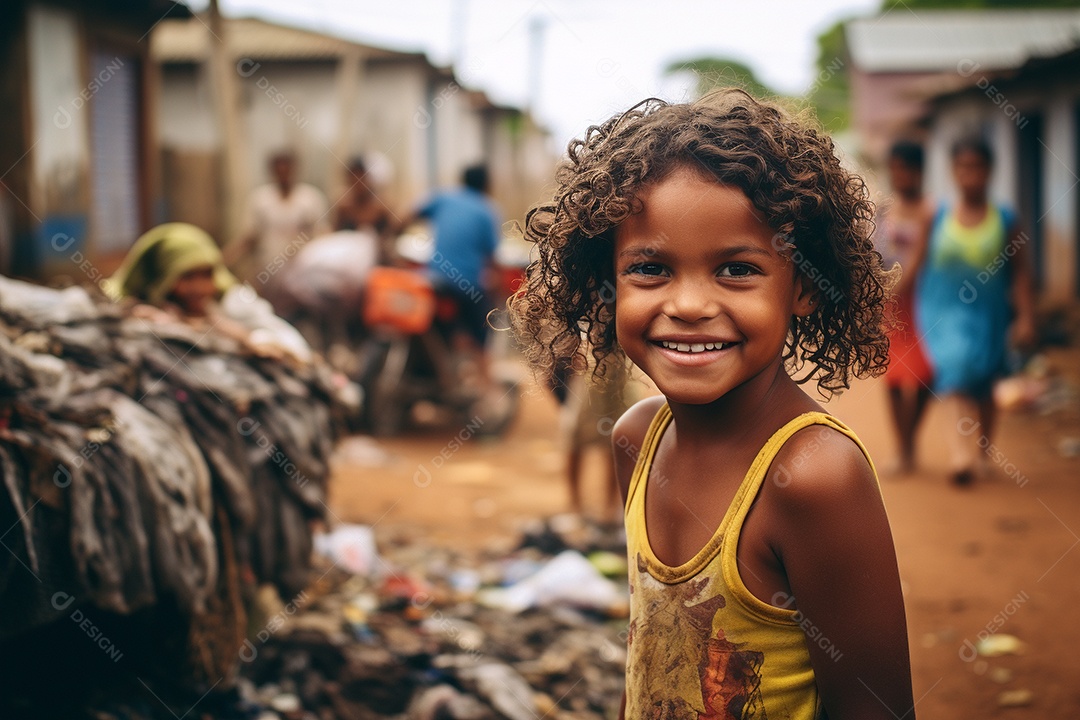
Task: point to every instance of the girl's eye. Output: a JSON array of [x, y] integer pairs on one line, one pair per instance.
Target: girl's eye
[[737, 270], [652, 269]]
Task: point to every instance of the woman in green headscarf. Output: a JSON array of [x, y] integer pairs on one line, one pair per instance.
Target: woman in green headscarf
[[178, 270], [166, 256]]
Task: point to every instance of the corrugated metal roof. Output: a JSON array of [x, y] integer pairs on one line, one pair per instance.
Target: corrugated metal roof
[[189, 41], [906, 40]]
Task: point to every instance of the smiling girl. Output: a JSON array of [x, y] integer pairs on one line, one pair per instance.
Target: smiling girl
[[722, 249]]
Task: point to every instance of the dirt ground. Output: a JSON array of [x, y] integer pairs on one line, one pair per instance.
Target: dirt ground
[[1001, 556]]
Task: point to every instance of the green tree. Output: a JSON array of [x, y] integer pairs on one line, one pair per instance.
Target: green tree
[[713, 72], [887, 5], [830, 92]]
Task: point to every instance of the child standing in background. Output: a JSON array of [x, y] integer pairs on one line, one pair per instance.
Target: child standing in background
[[975, 296], [721, 247], [903, 228], [589, 415]]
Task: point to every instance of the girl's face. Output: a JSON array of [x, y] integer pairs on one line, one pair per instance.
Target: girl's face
[[972, 174], [195, 290], [704, 299], [904, 178]]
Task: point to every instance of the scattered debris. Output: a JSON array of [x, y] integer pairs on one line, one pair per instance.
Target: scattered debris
[[999, 644], [1039, 388], [414, 641], [1015, 698], [568, 578], [351, 547], [360, 451], [1069, 447]]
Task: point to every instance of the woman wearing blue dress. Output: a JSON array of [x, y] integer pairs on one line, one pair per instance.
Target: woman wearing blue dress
[[974, 293]]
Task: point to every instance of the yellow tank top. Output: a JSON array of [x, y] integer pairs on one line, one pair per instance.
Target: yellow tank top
[[700, 644]]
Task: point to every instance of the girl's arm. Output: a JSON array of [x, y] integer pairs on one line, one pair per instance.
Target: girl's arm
[[1023, 292], [833, 539]]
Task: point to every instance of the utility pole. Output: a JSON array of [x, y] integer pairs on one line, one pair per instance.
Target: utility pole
[[349, 77], [233, 143]]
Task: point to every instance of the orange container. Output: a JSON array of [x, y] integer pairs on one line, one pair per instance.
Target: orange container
[[400, 299]]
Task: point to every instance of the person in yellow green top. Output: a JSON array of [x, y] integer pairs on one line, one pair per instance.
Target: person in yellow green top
[[722, 248], [175, 273], [974, 291]]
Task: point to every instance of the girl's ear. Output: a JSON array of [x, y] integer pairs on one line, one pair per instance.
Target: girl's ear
[[806, 297]]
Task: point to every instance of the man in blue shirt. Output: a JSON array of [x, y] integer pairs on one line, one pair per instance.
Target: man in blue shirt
[[467, 231]]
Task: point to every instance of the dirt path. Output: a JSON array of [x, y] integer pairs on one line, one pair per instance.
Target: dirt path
[[1001, 556]]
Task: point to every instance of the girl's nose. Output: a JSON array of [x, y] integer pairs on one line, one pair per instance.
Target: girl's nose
[[692, 300]]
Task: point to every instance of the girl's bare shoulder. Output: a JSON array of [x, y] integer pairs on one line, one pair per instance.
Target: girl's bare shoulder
[[633, 424], [819, 467], [822, 508], [628, 436]]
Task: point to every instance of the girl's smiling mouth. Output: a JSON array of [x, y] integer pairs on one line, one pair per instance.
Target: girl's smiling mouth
[[694, 347]]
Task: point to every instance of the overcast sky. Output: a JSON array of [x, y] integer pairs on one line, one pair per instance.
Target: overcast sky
[[597, 57]]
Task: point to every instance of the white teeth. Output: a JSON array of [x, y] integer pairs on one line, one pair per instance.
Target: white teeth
[[691, 347]]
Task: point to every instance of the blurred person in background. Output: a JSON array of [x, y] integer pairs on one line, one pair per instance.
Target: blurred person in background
[[466, 227], [591, 409], [282, 216], [903, 230], [975, 292], [361, 209], [321, 288], [175, 272]]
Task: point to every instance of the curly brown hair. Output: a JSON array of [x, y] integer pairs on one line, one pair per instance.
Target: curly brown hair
[[821, 214]]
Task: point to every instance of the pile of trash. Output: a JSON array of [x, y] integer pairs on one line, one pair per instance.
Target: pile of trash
[[426, 633], [160, 493], [152, 465]]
